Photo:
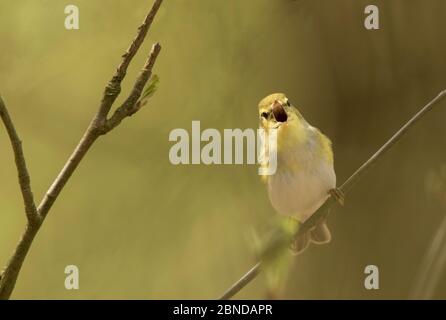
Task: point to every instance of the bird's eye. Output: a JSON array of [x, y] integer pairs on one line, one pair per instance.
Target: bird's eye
[[287, 103], [264, 115]]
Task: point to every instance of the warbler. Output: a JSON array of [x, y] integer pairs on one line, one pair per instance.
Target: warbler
[[305, 175]]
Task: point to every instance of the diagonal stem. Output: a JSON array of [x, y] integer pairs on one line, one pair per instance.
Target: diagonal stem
[[130, 105], [90, 136], [23, 175], [113, 88]]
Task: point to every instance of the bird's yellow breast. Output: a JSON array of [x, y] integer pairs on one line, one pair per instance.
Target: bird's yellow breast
[[290, 135], [298, 144], [304, 172]]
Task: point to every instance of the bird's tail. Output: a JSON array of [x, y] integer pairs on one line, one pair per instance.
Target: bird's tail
[[320, 234]]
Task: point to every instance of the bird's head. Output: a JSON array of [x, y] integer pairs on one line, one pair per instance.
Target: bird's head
[[276, 110]]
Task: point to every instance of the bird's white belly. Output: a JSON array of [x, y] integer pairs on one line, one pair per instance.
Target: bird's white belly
[[299, 193]]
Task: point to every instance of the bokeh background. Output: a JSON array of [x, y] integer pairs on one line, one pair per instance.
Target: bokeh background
[[139, 227]]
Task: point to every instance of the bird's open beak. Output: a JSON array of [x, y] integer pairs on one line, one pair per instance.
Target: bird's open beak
[[279, 112]]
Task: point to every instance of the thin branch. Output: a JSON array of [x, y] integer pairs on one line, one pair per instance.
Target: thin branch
[[9, 275], [346, 187], [98, 126], [239, 285], [113, 88], [90, 136], [23, 175], [130, 105]]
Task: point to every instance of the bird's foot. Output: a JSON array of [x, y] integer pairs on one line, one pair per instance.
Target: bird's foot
[[338, 195]]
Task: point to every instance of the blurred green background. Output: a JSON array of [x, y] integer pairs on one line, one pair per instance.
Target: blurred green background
[[139, 227]]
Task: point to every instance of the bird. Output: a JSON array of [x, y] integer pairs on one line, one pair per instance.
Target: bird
[[305, 175]]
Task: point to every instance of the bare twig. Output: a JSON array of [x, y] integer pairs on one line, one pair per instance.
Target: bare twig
[[346, 186], [130, 106], [113, 88], [24, 180], [98, 126], [9, 275], [239, 285]]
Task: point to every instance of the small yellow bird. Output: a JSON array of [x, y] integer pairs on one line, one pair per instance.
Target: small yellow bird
[[305, 175]]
